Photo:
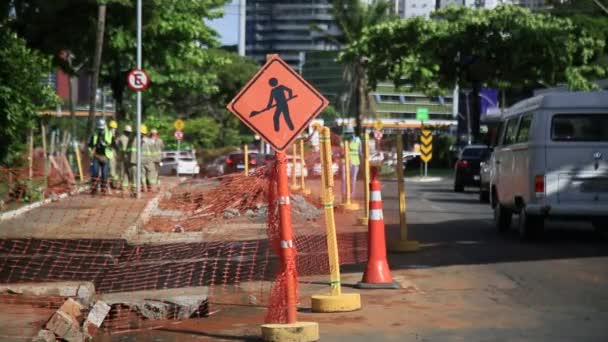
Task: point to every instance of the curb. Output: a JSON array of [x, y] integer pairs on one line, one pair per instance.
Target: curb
[[20, 211]]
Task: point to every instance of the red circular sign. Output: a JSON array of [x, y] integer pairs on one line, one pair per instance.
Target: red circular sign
[[138, 80], [179, 135]]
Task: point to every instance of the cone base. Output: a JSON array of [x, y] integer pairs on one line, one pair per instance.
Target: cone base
[[402, 246], [351, 206], [341, 303], [391, 286], [362, 221], [293, 332]]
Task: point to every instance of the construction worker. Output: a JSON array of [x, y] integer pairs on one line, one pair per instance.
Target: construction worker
[[123, 156], [159, 146], [130, 155], [100, 147], [114, 164], [149, 176], [355, 151]]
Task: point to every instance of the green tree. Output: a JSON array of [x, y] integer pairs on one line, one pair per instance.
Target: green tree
[[353, 17], [505, 48], [22, 93]]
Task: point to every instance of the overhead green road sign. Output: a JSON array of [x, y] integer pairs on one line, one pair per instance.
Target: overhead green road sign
[[422, 114]]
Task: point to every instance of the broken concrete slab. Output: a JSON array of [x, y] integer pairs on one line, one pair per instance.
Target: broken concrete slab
[[44, 336], [98, 313], [82, 290], [179, 303]]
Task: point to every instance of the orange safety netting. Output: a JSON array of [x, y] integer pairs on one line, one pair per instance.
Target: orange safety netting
[[234, 252]]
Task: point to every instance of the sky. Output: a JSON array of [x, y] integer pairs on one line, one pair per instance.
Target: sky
[[228, 26]]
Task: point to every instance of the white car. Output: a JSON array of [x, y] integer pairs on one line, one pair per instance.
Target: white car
[[299, 168], [171, 166]]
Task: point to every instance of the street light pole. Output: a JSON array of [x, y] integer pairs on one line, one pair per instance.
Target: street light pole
[[242, 25], [138, 172], [467, 93]]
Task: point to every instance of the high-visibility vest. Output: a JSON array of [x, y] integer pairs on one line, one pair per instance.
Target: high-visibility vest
[[107, 137], [353, 151]]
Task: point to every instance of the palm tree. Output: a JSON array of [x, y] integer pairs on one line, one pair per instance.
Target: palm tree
[[352, 17]]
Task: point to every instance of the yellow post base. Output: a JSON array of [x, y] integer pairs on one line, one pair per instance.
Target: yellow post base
[[351, 206], [294, 187], [362, 221], [402, 245], [340, 303], [294, 332], [306, 192]]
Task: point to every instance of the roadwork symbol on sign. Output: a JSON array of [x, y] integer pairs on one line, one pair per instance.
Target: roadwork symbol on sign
[[277, 103], [426, 145], [138, 80]]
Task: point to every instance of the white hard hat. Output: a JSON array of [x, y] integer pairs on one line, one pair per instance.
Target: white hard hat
[[101, 123], [128, 129]]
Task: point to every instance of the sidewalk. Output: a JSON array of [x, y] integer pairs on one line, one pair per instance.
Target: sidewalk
[[83, 216]]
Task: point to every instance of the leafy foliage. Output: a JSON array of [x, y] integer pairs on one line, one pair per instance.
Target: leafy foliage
[[507, 48], [22, 92]]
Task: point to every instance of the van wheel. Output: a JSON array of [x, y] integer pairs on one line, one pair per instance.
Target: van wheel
[[502, 217], [530, 226]]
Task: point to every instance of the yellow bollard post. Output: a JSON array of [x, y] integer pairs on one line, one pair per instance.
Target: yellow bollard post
[[246, 159], [336, 301], [322, 161], [303, 163], [294, 156], [348, 204], [78, 161], [402, 244], [364, 220]]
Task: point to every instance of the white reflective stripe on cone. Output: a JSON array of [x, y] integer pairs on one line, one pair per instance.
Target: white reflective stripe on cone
[[376, 214], [376, 196], [286, 244]]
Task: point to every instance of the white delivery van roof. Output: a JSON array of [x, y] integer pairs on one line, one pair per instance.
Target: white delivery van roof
[[580, 99]]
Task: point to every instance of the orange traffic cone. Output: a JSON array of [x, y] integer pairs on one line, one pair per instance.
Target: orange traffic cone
[[377, 273]]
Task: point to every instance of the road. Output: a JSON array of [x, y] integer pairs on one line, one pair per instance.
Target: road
[[467, 283]]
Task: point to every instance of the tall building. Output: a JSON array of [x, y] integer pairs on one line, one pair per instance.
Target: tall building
[[414, 8], [286, 28]]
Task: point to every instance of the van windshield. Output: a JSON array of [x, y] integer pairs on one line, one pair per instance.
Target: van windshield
[[579, 127]]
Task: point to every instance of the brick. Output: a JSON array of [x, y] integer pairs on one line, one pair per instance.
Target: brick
[[72, 308]]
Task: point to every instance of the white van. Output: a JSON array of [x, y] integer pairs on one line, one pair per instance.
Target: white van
[[551, 161]]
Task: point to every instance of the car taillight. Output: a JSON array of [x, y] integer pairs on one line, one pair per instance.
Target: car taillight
[[228, 161], [253, 162], [539, 184], [462, 164]]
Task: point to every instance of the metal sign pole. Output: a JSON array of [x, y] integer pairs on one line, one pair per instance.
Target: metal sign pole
[[138, 172]]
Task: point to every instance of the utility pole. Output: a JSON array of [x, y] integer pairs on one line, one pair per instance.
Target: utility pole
[[138, 172], [242, 24]]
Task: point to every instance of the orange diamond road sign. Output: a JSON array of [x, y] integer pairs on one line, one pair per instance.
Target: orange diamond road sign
[[277, 103]]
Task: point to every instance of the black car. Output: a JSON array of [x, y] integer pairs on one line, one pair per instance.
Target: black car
[[466, 170]]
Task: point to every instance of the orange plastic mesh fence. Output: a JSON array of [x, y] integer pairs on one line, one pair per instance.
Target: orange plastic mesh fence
[[219, 234]]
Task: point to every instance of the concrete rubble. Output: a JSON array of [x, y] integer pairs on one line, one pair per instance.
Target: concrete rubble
[[179, 303]]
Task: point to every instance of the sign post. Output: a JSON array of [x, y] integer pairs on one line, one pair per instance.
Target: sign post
[[426, 148], [278, 104]]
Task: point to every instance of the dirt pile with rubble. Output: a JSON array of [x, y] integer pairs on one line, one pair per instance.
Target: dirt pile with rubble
[[236, 197]]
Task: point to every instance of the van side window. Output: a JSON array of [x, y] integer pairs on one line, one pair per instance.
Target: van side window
[[523, 134], [510, 132]]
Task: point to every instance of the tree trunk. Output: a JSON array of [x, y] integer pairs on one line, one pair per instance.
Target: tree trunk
[[101, 24]]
